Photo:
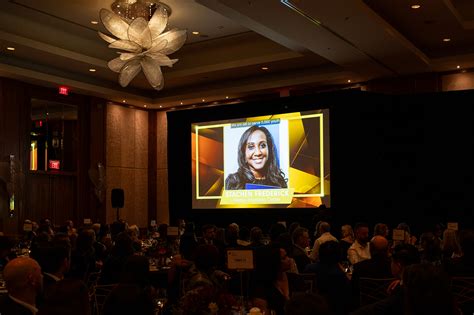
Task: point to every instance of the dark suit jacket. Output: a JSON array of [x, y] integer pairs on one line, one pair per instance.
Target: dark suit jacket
[[10, 307], [67, 296], [300, 257], [377, 268]]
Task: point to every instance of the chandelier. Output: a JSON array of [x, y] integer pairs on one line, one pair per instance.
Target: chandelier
[[139, 30]]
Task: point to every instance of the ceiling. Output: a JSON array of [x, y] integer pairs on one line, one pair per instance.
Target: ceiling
[[303, 43]]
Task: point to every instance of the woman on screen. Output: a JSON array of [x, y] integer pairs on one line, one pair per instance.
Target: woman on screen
[[257, 160]]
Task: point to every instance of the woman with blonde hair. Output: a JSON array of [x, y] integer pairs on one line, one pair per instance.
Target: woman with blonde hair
[[347, 238], [450, 245]]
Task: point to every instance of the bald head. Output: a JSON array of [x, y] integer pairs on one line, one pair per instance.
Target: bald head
[[22, 274], [379, 246]]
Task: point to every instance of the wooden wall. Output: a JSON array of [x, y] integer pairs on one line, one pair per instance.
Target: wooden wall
[[61, 195]]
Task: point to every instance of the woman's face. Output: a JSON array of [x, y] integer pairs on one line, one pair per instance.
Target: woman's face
[[256, 151]]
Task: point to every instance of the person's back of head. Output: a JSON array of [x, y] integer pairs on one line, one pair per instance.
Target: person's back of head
[[276, 230], [427, 290], [381, 229], [123, 245], [307, 304], [23, 277], [244, 233], [329, 253], [378, 247], [324, 227], [256, 235], [54, 257], [431, 247], [403, 255], [298, 233]]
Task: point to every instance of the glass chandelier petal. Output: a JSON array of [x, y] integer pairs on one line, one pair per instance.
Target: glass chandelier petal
[[114, 24], [107, 38], [116, 64], [158, 22], [175, 38], [152, 71], [139, 33], [126, 45], [129, 71], [161, 59]]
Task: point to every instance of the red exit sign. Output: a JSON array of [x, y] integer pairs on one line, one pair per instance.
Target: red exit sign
[[54, 164], [63, 90]]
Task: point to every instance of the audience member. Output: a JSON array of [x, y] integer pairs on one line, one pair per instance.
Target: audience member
[[298, 252], [450, 245], [133, 294], [360, 249], [256, 237], [115, 263], [346, 241], [208, 234], [24, 282], [60, 295], [188, 241], [273, 284], [430, 249], [381, 229], [325, 232], [244, 236], [331, 280], [377, 267], [403, 256], [464, 266]]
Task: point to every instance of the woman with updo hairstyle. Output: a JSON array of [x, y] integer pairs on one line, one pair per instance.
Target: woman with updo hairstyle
[[258, 161]]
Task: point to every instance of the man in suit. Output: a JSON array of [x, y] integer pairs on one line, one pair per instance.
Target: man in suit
[[24, 282], [377, 267], [300, 242], [60, 295]]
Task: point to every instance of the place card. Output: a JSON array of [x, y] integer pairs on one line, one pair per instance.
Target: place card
[[453, 226], [153, 223], [240, 259], [398, 235], [27, 227], [87, 221]]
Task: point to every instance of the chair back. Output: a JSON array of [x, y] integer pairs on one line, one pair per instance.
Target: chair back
[[463, 291], [309, 282], [99, 295], [373, 290]]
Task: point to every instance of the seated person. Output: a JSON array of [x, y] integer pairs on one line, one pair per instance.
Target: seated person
[[273, 285], [300, 242], [24, 283], [331, 280]]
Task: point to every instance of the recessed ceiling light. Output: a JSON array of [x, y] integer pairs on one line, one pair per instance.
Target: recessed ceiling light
[[226, 97], [181, 103], [457, 67], [203, 100], [161, 106], [446, 39], [416, 6], [144, 106], [264, 68], [94, 22], [348, 81], [92, 70], [123, 101], [195, 33], [11, 48]]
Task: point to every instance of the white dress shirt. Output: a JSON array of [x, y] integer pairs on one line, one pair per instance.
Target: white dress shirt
[[357, 253], [325, 237]]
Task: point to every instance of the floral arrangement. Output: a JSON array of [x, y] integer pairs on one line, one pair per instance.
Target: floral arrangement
[[207, 300]]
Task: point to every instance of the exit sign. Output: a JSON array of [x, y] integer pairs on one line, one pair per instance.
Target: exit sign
[[63, 90]]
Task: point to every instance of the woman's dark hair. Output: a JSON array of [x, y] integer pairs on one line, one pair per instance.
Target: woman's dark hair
[[427, 290], [273, 174], [330, 253]]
